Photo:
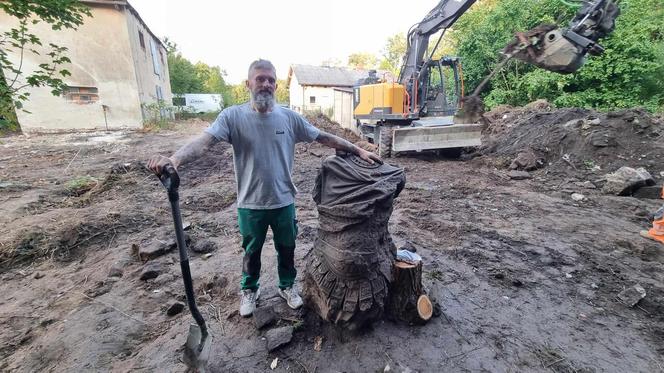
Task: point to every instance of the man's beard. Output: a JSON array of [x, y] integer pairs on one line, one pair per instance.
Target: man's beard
[[262, 101]]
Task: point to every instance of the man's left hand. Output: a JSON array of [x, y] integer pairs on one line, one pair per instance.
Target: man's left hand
[[368, 156]]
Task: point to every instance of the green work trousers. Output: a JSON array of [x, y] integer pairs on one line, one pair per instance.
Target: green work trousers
[[253, 227]]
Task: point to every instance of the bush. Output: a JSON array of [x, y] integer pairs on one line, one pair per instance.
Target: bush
[[158, 114]]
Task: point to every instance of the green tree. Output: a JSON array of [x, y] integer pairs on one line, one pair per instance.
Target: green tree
[[362, 60], [393, 54], [628, 73], [20, 41], [282, 94], [240, 93], [212, 78], [183, 75], [187, 77]]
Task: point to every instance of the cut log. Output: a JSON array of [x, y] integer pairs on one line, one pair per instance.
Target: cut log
[[407, 300], [424, 307]]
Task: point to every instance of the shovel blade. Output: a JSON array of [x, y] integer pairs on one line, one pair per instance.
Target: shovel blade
[[196, 351]]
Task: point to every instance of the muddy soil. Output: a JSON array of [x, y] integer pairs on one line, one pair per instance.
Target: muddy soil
[[526, 277]]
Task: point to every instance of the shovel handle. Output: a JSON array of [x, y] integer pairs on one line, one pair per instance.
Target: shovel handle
[[171, 181], [169, 178]]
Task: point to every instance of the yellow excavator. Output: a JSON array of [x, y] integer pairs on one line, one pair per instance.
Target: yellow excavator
[[417, 112]]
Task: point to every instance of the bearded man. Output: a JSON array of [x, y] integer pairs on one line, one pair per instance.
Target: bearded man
[[263, 136]]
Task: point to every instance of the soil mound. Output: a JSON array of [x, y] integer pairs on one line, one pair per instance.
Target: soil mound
[[324, 123], [574, 142]]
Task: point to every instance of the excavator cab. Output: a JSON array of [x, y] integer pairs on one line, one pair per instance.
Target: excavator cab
[[397, 121], [443, 88]]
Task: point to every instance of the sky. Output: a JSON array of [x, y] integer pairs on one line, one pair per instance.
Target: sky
[[232, 34]]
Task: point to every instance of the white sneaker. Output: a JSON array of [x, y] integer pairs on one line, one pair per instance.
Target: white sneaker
[[292, 297], [248, 300]]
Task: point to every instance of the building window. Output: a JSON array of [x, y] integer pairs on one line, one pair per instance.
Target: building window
[[160, 95], [141, 40], [81, 95], [179, 101], [155, 61], [312, 99]]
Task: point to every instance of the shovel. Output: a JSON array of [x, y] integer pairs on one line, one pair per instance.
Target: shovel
[[197, 348]]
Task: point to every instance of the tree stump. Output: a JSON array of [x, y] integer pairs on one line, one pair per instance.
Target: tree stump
[[349, 269], [407, 300]]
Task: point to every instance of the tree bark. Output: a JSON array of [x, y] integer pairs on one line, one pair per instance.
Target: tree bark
[[349, 269]]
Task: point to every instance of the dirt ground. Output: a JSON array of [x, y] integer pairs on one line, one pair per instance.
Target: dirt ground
[[526, 277]]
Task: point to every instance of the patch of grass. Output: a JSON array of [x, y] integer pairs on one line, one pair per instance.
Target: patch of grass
[[80, 185], [298, 325], [435, 275], [156, 126]]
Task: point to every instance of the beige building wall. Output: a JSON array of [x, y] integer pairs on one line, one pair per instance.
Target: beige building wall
[[148, 77], [106, 54]]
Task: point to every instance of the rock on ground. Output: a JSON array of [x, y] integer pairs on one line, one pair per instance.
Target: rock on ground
[[278, 337], [625, 180]]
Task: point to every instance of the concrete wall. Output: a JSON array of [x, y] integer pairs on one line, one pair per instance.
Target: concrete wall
[[104, 55], [343, 110], [148, 78]]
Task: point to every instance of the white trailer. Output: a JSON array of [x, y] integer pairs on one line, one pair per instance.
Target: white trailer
[[200, 102]]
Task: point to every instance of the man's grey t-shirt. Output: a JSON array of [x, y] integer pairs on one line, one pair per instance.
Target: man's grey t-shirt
[[263, 152]]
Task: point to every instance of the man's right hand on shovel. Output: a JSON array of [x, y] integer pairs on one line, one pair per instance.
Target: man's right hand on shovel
[[158, 162]]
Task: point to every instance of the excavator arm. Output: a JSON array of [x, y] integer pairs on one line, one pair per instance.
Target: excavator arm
[[442, 16]]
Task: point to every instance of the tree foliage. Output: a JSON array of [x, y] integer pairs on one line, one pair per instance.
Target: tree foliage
[[362, 60], [240, 93], [393, 53], [628, 74], [21, 41], [187, 77], [282, 94]]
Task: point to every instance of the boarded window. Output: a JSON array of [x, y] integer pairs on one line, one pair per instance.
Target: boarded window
[[81, 95], [141, 40], [312, 99], [155, 61], [179, 101]]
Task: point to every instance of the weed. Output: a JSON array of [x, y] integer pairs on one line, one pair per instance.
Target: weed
[[435, 275], [80, 185], [298, 325]]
